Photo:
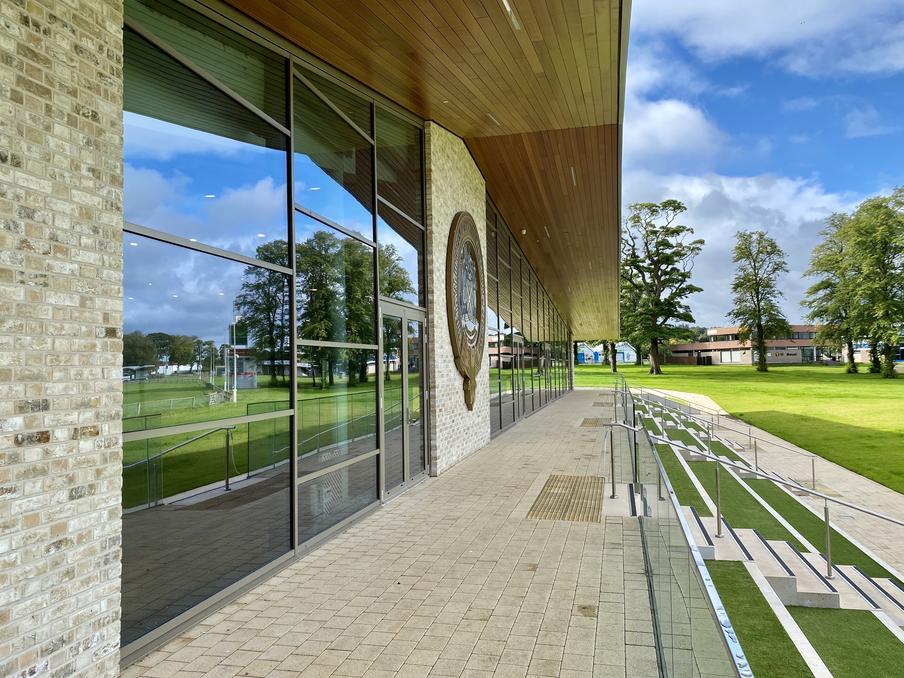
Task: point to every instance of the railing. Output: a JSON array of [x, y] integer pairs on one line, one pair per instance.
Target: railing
[[692, 631], [753, 441], [154, 465]]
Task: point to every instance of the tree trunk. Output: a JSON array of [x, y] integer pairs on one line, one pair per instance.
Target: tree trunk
[[851, 363], [888, 361], [332, 379], [875, 364], [654, 356], [613, 357], [638, 356], [760, 343]]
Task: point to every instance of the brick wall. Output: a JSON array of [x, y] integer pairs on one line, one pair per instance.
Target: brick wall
[[60, 335], [453, 184]]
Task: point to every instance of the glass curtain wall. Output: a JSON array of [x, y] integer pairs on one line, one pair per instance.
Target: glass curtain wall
[[267, 208], [526, 337]]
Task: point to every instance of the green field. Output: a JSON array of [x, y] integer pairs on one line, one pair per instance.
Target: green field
[[854, 420]]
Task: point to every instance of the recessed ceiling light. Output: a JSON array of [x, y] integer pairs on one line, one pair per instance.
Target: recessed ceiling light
[[445, 101], [149, 284], [221, 294], [175, 296], [192, 240], [131, 298], [547, 232], [314, 188], [523, 231], [574, 179], [493, 118], [261, 235], [511, 14], [133, 244], [210, 195]]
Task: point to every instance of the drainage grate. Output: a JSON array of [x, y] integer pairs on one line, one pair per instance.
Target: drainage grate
[[578, 499], [593, 422]]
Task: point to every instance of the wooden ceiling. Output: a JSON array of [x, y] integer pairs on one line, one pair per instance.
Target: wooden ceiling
[[535, 87]]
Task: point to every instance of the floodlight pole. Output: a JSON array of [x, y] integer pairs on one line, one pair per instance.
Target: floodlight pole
[[235, 363]]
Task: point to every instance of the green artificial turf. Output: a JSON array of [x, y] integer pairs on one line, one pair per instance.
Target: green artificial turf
[[851, 419], [684, 488], [767, 647], [813, 528], [739, 508], [852, 643]]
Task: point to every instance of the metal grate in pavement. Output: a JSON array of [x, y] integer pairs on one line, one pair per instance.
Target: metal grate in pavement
[[577, 499], [593, 422]]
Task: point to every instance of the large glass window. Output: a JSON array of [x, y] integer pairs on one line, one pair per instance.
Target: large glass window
[[334, 284], [400, 164], [401, 257], [197, 165], [527, 340], [333, 165]]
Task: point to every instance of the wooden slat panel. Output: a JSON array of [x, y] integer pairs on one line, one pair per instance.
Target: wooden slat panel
[[532, 102]]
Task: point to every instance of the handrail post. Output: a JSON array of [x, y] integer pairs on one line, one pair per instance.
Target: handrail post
[[756, 457], [813, 470], [612, 461], [828, 541], [749, 436], [228, 452], [718, 502]]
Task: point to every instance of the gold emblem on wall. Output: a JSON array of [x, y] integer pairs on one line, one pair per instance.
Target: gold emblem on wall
[[465, 308]]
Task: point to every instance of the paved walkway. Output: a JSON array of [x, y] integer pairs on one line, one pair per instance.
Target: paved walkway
[[884, 539], [450, 579]]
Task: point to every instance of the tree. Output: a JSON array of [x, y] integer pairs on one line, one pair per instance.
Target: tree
[[831, 299], [137, 349], [876, 238], [182, 350], [394, 279], [263, 303], [657, 264], [755, 290]]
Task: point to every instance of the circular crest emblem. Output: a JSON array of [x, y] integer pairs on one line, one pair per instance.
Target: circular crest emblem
[[465, 309]]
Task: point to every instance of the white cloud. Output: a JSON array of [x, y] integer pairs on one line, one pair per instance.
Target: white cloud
[[661, 132], [807, 36], [800, 104], [865, 122], [792, 210]]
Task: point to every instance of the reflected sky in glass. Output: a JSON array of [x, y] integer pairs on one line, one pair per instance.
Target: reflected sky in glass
[[201, 186]]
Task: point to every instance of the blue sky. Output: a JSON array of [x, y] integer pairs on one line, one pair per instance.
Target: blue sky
[[763, 115]]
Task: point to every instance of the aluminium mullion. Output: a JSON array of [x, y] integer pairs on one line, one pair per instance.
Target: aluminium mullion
[[406, 438], [170, 239], [171, 52], [333, 224], [294, 527], [380, 367], [326, 100], [319, 473]]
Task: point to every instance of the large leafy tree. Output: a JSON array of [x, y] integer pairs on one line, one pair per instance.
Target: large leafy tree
[[876, 239], [263, 303], [831, 298], [137, 349], [657, 263], [760, 262]]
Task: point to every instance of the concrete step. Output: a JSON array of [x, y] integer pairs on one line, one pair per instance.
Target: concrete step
[[872, 589], [728, 546], [813, 590], [688, 455], [777, 573], [701, 536], [850, 595], [627, 503]]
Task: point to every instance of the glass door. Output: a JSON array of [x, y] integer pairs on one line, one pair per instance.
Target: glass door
[[403, 395]]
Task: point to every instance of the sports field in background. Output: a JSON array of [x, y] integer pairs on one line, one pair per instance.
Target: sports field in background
[[855, 420]]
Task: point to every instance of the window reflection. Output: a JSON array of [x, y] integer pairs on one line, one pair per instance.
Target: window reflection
[[335, 284], [197, 165], [400, 164], [401, 257], [185, 358], [337, 405], [329, 499], [249, 69], [333, 165]]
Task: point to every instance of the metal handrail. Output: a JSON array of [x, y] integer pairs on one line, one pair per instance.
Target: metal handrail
[[748, 433], [776, 479], [176, 447]]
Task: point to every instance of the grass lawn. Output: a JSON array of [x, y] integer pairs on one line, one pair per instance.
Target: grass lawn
[[685, 490], [852, 643], [766, 645], [852, 419]]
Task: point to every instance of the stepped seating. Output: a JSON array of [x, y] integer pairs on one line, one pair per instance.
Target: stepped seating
[[884, 594]]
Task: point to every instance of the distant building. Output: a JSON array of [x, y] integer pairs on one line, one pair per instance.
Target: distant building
[[588, 355], [723, 346]]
